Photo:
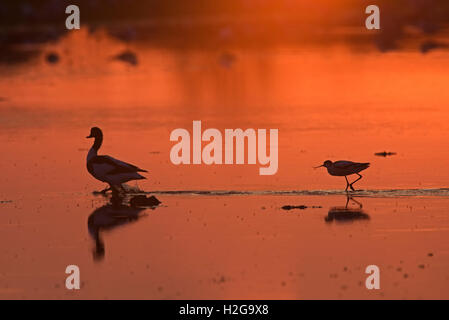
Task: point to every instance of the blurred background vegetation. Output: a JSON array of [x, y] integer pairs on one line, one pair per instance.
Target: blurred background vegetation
[[207, 23], [27, 12]]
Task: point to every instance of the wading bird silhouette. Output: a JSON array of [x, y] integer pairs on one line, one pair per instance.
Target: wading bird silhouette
[[345, 168]]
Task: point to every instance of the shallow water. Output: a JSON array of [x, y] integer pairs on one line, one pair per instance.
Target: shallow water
[[221, 232], [201, 247]]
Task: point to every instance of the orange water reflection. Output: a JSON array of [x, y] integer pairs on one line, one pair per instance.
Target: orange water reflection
[[334, 104], [327, 104], [228, 247]]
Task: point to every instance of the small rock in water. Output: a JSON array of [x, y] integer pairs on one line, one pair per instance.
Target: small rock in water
[[430, 254], [143, 201], [127, 56], [52, 58]]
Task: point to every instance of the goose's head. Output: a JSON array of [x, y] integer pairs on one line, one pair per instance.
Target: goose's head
[[326, 164], [95, 132]]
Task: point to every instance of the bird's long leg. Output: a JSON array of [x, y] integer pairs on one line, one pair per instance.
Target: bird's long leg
[[360, 177], [115, 191], [347, 183]]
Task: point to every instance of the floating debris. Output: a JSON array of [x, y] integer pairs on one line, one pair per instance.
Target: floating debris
[[128, 57], [143, 201], [430, 254], [301, 207], [385, 154], [52, 58], [5, 201]]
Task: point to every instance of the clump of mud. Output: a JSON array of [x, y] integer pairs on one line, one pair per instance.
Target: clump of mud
[[143, 201]]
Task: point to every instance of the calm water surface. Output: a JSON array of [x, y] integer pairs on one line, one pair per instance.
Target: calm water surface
[[337, 103]]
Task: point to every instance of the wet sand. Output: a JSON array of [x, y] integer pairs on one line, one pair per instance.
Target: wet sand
[[341, 104]]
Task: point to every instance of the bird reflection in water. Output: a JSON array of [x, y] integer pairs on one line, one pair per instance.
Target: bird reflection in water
[[109, 217], [347, 214]]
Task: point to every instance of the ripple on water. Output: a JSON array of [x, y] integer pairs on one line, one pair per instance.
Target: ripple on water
[[438, 192]]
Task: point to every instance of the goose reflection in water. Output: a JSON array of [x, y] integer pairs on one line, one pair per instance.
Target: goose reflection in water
[[347, 214], [107, 218]]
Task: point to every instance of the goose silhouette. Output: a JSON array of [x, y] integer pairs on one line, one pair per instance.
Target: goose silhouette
[[107, 169]]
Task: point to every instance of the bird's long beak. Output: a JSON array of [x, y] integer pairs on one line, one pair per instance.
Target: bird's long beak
[[318, 167], [91, 136]]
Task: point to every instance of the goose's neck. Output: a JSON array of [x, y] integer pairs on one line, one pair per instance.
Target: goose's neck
[[97, 144]]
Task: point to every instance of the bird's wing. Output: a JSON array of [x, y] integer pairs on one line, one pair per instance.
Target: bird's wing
[[343, 164], [97, 166], [115, 166]]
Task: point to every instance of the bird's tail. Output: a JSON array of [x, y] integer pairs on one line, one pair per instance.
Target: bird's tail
[[140, 177], [364, 166]]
